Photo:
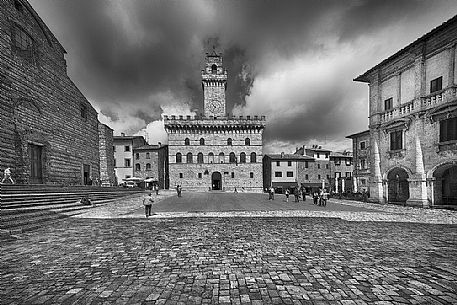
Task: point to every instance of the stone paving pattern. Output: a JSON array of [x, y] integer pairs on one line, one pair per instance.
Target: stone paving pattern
[[233, 260]]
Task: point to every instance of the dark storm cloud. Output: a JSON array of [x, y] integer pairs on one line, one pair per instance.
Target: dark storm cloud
[[145, 54]]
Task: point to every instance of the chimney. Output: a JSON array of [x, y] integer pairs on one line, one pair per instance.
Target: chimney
[[122, 134], [160, 144]]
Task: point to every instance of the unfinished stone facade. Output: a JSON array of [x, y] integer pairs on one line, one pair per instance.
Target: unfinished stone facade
[[413, 121], [107, 175], [49, 131], [215, 151]]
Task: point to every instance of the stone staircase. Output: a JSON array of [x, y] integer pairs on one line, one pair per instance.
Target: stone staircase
[[28, 207]]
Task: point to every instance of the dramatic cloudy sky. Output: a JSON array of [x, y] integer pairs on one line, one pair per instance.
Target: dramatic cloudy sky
[[292, 61]]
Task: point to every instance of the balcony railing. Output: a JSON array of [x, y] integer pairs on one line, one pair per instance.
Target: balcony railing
[[424, 103]]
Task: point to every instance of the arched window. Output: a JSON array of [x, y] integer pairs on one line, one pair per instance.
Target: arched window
[[178, 158], [253, 157], [202, 141], [232, 158], [137, 167], [221, 157], [229, 141], [148, 156], [189, 158], [200, 158], [214, 69], [210, 157], [247, 141], [242, 157], [187, 141], [148, 166]]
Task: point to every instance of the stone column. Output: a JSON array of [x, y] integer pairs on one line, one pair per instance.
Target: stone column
[[451, 80], [378, 189], [342, 184], [418, 183]]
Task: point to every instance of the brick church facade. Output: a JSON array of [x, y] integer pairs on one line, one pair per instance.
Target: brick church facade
[[215, 151], [49, 131]]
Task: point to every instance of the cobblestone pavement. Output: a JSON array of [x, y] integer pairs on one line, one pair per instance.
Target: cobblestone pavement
[[257, 205], [237, 260]]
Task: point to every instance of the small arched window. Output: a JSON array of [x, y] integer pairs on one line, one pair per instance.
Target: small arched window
[[210, 157], [187, 142], [178, 158], [221, 157], [200, 158], [232, 158], [242, 157], [247, 141], [253, 157], [202, 141], [148, 156], [214, 69], [148, 166], [189, 158], [137, 167], [229, 142]]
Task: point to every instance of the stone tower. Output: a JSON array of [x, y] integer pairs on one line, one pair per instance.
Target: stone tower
[[214, 83]]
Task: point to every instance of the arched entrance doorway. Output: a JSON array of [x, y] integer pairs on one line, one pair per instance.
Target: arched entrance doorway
[[446, 185], [398, 186], [216, 181]]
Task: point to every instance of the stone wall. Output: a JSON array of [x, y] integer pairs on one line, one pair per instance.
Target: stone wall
[[41, 106], [216, 142], [107, 174]]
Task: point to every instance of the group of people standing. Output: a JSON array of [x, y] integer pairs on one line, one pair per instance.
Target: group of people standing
[[297, 192], [320, 197]]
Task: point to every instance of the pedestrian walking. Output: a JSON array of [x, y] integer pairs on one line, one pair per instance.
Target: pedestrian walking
[[315, 197], [156, 189], [179, 190], [287, 195], [7, 176], [297, 194], [147, 202], [272, 193], [303, 193], [323, 198]]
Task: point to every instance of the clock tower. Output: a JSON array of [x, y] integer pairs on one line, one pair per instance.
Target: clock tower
[[214, 83]]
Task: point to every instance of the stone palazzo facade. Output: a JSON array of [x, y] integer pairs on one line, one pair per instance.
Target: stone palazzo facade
[[413, 122], [215, 151]]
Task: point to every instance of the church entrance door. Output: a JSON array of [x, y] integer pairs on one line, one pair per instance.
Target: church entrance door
[[216, 181]]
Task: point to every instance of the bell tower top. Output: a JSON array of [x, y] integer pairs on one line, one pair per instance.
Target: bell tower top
[[214, 83]]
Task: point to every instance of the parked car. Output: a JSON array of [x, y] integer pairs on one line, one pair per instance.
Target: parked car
[[130, 184]]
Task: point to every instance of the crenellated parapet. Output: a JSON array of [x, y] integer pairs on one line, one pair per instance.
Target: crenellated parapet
[[180, 123]]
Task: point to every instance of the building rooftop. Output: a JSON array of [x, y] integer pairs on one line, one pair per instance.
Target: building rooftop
[[364, 77], [337, 154], [149, 147], [355, 135], [289, 157]]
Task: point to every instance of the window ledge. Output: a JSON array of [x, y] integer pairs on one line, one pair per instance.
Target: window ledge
[[447, 145], [397, 153]]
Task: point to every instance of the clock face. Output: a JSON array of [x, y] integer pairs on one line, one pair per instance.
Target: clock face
[[214, 107]]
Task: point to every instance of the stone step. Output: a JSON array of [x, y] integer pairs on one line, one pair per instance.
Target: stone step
[[54, 200]]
